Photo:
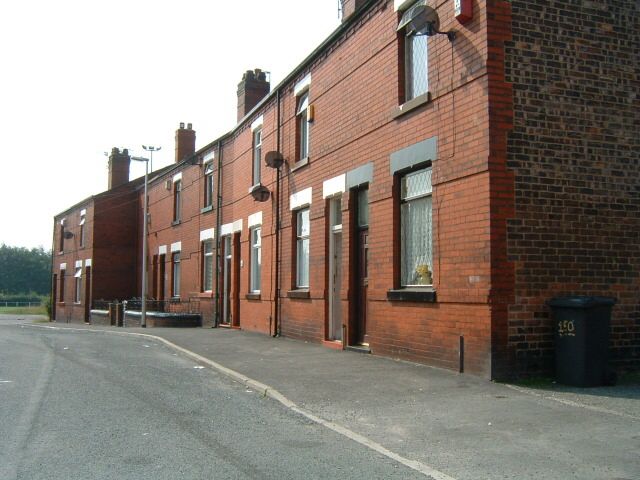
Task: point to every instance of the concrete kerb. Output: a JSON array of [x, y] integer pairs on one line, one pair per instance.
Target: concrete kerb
[[268, 391]]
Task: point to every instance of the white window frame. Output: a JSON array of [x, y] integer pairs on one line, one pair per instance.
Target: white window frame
[[61, 239], [257, 155], [208, 184], [409, 63], [177, 200], [175, 274], [407, 200], [410, 38], [255, 259], [302, 125], [77, 294], [302, 256], [207, 263], [83, 220]]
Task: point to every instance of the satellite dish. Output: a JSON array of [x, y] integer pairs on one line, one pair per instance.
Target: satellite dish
[[423, 20], [260, 194], [67, 235], [274, 159]]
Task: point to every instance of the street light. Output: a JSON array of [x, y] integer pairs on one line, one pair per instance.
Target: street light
[[143, 313], [151, 148]]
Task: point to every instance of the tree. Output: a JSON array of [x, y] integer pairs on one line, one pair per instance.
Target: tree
[[23, 270]]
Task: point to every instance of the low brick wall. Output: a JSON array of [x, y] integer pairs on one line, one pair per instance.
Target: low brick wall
[[99, 317], [164, 320]]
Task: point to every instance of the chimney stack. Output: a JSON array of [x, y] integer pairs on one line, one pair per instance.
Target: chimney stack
[[118, 167], [253, 88], [349, 7], [185, 142]]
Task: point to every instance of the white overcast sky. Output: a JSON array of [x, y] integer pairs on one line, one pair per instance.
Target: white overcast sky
[[80, 77]]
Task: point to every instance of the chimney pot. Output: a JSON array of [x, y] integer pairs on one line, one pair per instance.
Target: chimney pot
[[185, 142], [349, 7], [251, 90], [119, 163]]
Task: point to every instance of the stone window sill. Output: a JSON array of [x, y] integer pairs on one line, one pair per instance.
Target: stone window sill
[[206, 209], [412, 294], [411, 105], [299, 164], [299, 293], [252, 296], [175, 223]]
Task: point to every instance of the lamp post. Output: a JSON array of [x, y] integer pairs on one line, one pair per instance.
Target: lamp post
[[145, 221], [151, 148]]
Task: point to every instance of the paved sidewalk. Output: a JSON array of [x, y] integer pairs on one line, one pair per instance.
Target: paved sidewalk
[[465, 427]]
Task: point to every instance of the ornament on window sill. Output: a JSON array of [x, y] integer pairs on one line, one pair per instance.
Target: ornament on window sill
[[424, 274]]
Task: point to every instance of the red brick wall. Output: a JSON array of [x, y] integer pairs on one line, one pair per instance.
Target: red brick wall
[[67, 310], [115, 244], [355, 93], [574, 153]]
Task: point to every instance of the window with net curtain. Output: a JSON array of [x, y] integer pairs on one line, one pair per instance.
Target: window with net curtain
[[416, 265], [302, 248], [207, 269]]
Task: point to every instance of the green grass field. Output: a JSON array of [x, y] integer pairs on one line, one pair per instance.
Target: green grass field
[[40, 310]]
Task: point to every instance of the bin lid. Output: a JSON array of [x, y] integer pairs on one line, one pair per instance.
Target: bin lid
[[581, 301]]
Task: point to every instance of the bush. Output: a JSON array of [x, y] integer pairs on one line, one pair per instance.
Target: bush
[[49, 308]]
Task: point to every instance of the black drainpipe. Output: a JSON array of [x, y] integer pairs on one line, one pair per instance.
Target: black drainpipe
[[276, 327], [216, 304]]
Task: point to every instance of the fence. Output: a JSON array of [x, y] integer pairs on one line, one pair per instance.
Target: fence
[[21, 304], [101, 304]]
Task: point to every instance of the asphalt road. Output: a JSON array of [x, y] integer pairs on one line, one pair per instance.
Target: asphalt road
[[95, 406]]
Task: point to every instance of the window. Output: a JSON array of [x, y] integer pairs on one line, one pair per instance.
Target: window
[[416, 57], [208, 184], [82, 230], [175, 274], [61, 239], [62, 274], [177, 200], [416, 267], [207, 267], [78, 285], [302, 125], [257, 155], [256, 259], [302, 248]]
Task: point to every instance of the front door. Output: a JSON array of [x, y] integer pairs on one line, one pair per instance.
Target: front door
[[161, 278], [226, 280], [87, 294], [363, 283], [335, 270], [361, 268]]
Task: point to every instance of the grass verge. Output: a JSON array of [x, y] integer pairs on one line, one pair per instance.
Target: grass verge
[[40, 310]]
